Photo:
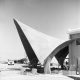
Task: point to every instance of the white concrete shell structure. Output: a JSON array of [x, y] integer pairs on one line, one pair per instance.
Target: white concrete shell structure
[[44, 47]]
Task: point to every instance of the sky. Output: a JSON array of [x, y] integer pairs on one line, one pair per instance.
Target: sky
[[52, 17]]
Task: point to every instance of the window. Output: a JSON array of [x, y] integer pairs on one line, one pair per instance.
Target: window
[[78, 41]]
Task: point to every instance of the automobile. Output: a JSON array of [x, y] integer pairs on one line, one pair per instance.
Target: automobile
[[11, 62]]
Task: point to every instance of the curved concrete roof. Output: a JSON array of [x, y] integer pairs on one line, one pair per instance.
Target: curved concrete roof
[[42, 44], [60, 52]]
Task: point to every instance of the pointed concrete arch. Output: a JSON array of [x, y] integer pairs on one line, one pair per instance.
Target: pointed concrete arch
[[41, 47], [36, 43], [61, 48]]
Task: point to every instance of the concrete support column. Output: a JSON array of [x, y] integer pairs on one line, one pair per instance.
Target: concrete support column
[[47, 69]]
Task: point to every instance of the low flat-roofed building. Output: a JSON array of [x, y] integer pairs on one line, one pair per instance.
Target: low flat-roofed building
[[74, 48]]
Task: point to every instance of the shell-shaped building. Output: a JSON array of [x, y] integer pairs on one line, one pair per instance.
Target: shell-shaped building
[[41, 47]]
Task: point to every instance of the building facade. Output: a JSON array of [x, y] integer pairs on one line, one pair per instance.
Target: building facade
[[74, 49]]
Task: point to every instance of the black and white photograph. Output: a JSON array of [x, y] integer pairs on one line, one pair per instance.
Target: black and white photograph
[[39, 39]]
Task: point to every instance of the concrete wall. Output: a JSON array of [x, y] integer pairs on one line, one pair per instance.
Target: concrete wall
[[73, 53], [74, 50]]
